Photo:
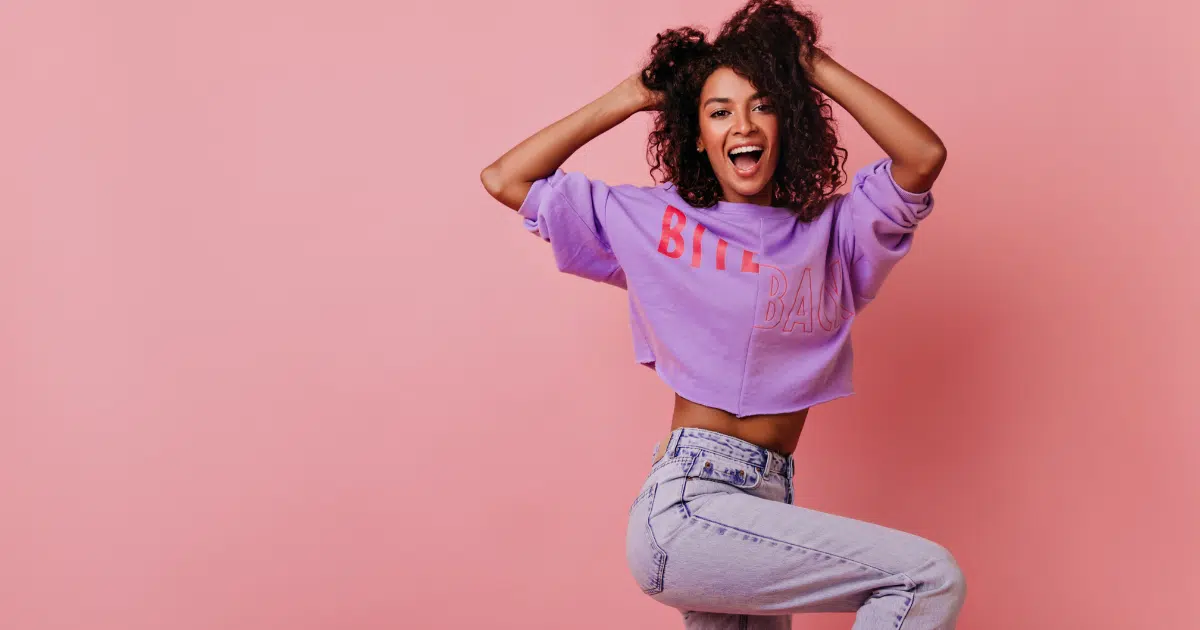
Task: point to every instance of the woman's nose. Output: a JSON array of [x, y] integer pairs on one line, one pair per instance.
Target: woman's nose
[[743, 124]]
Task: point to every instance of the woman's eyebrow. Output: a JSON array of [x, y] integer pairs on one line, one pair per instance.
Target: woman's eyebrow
[[725, 99]]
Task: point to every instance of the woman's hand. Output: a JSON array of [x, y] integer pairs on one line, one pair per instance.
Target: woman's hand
[[643, 97], [812, 59]]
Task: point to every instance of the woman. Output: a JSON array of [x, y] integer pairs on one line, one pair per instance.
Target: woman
[[744, 273]]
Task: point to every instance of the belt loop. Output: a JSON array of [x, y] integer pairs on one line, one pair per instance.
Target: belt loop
[[767, 466]]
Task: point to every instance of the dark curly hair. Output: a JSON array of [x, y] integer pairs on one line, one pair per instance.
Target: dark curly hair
[[762, 42]]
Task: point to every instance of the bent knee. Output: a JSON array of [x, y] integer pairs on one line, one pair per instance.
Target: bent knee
[[942, 575], [955, 581]]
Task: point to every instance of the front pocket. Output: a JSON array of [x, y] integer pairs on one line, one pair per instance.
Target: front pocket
[[647, 561], [726, 470], [679, 463]]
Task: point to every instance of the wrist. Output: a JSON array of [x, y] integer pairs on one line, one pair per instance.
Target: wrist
[[629, 96], [615, 106], [822, 66]]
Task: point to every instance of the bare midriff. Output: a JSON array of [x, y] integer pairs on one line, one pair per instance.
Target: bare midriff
[[778, 432]]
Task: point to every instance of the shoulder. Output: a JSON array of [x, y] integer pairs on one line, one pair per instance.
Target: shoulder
[[635, 198]]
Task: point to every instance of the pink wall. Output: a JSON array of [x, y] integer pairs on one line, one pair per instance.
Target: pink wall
[[271, 358]]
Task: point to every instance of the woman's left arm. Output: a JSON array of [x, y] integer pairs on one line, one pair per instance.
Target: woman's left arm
[[917, 153]]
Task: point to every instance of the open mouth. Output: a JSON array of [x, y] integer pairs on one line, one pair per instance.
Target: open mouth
[[745, 159]]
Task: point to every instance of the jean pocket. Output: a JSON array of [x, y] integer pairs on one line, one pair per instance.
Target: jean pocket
[[646, 559], [725, 470], [676, 465]]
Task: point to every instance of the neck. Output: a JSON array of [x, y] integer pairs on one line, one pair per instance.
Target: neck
[[763, 197]]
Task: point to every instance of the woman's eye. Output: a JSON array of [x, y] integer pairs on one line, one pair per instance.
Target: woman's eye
[[720, 113]]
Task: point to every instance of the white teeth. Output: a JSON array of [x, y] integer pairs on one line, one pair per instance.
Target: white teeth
[[745, 149]]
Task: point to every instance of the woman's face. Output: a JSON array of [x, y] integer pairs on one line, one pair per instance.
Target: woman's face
[[740, 133]]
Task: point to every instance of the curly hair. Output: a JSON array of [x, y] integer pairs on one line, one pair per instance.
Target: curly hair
[[763, 42]]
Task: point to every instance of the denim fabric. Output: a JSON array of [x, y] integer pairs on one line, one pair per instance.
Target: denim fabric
[[713, 533]]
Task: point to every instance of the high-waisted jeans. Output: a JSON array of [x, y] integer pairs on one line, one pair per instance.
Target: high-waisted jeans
[[714, 534]]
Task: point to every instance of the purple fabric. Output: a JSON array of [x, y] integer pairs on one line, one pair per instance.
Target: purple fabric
[[740, 307]]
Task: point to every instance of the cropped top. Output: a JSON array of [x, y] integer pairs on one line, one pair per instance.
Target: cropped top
[[741, 307]]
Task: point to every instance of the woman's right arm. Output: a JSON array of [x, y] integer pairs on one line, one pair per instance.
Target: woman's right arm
[[510, 177]]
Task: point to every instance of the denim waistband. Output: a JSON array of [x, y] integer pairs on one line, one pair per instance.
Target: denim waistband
[[764, 460]]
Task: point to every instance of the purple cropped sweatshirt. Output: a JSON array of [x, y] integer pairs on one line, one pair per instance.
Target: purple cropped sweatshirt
[[740, 307]]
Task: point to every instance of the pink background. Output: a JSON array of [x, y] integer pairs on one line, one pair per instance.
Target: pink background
[[271, 358]]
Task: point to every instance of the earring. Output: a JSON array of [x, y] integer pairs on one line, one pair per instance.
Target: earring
[[700, 149]]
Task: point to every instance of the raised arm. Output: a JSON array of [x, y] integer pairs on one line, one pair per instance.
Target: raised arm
[[509, 178], [917, 153]]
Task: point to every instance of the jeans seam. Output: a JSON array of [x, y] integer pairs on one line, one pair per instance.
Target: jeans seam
[[912, 600], [640, 497], [687, 474], [784, 542], [657, 586]]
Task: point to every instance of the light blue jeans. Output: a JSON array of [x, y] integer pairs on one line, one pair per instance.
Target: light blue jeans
[[714, 534]]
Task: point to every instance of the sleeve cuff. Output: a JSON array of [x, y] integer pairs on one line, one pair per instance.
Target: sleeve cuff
[[537, 193], [924, 198]]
